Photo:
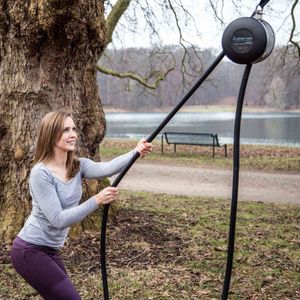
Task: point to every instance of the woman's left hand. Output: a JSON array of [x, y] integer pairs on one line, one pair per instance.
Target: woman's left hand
[[143, 147]]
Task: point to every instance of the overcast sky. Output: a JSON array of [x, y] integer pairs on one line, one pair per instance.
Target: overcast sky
[[209, 29]]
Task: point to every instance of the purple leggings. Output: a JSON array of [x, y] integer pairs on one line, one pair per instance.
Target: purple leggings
[[43, 269]]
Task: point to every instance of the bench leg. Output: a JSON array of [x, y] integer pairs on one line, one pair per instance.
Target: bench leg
[[225, 149], [213, 151], [174, 148], [162, 144]]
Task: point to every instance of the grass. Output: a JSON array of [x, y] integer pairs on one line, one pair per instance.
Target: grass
[[174, 247], [258, 157]]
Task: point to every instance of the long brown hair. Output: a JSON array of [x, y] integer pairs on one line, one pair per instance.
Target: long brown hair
[[50, 131]]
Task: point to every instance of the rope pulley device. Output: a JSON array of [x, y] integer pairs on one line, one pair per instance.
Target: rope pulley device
[[245, 41], [248, 40]]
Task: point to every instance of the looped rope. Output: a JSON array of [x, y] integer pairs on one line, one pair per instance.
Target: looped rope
[[131, 162], [234, 189]]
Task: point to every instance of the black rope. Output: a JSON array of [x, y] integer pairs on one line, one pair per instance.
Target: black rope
[[236, 153], [235, 180], [131, 162]]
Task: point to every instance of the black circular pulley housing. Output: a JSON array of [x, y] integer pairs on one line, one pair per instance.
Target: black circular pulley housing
[[248, 40]]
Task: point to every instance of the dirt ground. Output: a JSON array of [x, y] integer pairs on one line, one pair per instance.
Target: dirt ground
[[162, 177]]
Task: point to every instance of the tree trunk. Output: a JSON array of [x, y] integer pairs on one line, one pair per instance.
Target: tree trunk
[[48, 55]]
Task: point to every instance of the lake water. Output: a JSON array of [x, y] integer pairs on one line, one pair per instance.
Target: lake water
[[257, 128]]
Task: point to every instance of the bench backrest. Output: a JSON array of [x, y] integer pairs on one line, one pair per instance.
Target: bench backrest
[[191, 138]]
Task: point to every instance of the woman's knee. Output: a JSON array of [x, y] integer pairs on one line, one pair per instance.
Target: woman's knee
[[65, 290]]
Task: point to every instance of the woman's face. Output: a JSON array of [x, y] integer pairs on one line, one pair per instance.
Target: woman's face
[[67, 142]]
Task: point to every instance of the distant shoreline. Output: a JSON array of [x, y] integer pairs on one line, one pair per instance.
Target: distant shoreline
[[201, 108]]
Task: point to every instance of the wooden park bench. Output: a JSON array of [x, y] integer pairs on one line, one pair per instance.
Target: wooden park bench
[[186, 138]]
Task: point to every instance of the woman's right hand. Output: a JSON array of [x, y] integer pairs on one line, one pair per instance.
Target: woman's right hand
[[107, 195]]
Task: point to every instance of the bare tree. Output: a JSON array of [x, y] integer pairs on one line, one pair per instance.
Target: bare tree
[[151, 16], [128, 15], [274, 96], [48, 56]]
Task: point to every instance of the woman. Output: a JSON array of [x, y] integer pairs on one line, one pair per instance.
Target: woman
[[56, 189]]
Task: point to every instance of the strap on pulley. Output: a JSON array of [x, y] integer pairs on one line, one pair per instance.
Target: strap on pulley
[[263, 3]]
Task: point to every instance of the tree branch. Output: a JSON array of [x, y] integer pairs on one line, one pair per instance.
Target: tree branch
[[182, 40], [113, 18], [291, 38], [143, 81], [215, 11]]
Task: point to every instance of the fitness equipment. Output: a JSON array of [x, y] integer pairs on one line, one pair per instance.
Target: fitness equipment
[[248, 40], [245, 41]]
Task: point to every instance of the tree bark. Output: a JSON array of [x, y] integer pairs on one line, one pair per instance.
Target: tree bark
[[48, 55]]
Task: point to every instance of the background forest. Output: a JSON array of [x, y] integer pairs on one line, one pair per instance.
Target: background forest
[[273, 83]]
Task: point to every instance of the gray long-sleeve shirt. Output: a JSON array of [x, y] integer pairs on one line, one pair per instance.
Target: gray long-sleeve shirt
[[55, 202]]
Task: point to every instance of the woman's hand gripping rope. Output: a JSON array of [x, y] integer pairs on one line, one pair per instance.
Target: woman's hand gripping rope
[[144, 148]]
